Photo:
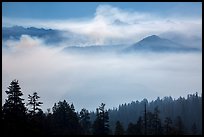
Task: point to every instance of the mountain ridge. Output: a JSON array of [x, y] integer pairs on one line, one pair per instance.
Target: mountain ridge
[[157, 44], [152, 43]]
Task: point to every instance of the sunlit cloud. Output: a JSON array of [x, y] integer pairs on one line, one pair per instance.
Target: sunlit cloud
[[112, 25]]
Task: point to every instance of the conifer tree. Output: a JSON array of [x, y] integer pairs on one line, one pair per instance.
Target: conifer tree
[[65, 119], [100, 125], [85, 121], [34, 103], [14, 110]]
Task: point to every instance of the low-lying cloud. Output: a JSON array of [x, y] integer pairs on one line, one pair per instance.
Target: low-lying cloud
[[112, 25], [88, 80]]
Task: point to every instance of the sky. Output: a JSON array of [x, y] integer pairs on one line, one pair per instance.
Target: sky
[[65, 10], [88, 80]]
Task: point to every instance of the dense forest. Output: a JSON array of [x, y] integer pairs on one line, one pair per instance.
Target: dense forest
[[165, 116]]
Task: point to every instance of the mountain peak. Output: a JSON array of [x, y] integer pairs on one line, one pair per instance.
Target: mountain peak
[[155, 43], [152, 38]]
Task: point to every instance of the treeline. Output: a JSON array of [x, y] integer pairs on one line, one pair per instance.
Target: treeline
[[186, 110], [19, 118]]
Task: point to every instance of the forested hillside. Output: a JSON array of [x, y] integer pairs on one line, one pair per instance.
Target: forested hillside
[[189, 109], [165, 116]]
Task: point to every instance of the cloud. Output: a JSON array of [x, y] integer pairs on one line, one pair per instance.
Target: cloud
[[88, 80], [113, 79], [112, 25], [24, 43]]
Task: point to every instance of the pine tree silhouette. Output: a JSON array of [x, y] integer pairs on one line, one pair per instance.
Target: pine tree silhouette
[[84, 119], [34, 103], [14, 110], [65, 119], [100, 125]]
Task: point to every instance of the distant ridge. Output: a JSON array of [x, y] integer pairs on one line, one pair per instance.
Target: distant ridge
[[157, 44], [151, 43], [16, 32]]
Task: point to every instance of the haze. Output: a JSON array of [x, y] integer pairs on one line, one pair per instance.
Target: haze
[[87, 80]]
